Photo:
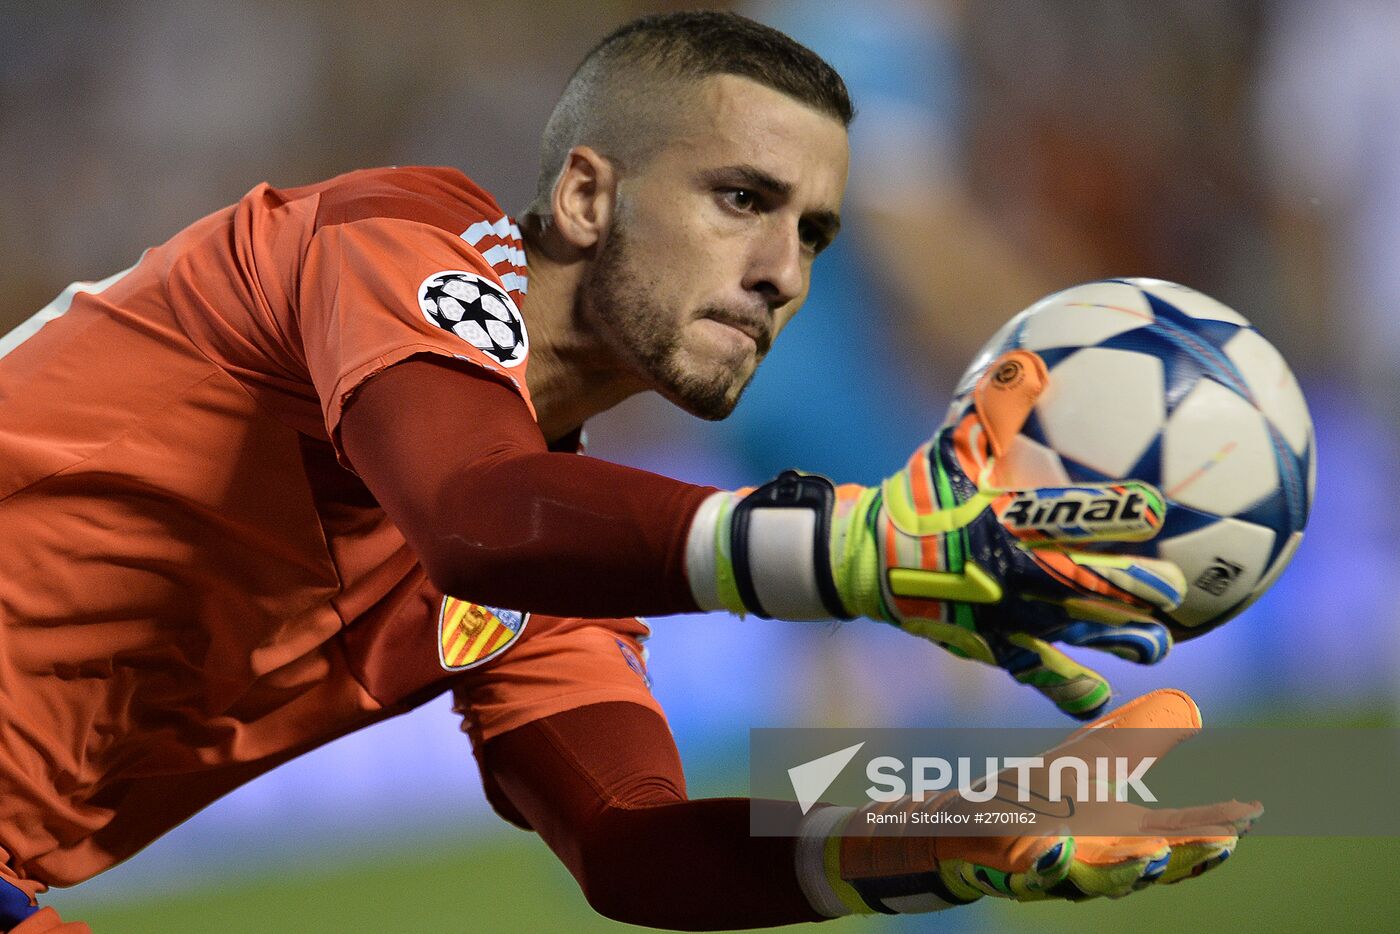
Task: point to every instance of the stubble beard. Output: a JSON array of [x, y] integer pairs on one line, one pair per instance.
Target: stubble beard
[[619, 299]]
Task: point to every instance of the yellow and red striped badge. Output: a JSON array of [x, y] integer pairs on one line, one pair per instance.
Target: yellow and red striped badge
[[470, 634]]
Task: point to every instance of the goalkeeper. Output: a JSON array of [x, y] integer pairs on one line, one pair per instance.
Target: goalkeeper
[[312, 462]]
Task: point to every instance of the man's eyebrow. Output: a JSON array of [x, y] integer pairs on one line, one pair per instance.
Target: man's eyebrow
[[750, 176]]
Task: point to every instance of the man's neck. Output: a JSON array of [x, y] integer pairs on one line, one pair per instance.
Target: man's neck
[[572, 376]]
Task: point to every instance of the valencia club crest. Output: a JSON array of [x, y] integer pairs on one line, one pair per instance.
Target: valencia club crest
[[470, 634]]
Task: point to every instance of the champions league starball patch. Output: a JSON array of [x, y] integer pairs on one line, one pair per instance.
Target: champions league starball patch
[[470, 634], [478, 311]]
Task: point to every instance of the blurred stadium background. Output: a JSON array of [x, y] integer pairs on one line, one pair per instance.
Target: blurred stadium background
[[1249, 149]]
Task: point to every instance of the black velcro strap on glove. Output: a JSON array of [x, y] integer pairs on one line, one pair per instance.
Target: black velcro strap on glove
[[778, 552]]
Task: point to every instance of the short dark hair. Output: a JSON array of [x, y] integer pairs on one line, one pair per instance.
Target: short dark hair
[[621, 79]]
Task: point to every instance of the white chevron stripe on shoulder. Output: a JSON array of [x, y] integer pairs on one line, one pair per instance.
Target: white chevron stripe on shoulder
[[475, 232], [514, 282], [505, 254], [501, 227]]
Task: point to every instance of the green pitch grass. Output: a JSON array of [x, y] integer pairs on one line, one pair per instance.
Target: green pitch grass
[[510, 883]]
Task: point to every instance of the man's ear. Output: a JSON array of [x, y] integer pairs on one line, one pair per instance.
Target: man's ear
[[585, 197]]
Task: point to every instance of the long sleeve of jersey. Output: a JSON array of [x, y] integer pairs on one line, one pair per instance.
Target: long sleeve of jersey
[[456, 461]]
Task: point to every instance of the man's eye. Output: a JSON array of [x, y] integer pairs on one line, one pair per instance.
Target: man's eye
[[741, 199]]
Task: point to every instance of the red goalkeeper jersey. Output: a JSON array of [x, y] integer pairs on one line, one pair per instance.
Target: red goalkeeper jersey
[[193, 587]]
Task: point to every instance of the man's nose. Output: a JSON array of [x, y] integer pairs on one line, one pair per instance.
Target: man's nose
[[776, 270]]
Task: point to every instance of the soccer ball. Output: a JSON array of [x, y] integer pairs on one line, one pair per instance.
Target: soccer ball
[[1153, 381]]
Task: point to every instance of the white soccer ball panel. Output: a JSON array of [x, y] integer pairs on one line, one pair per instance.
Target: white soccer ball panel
[[1028, 463], [1217, 455], [466, 291], [500, 332], [493, 306], [1274, 386], [1084, 316], [1191, 302], [450, 308], [1222, 563], [472, 333], [1103, 407]]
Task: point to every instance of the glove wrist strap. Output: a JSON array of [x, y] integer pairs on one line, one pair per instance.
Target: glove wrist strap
[[769, 553]]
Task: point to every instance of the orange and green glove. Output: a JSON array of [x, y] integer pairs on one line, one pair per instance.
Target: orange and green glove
[[941, 550], [855, 870]]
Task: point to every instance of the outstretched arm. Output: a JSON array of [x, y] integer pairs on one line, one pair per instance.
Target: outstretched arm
[[602, 785], [461, 468]]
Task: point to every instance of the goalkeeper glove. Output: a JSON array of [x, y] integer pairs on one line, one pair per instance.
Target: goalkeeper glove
[[847, 867], [942, 552]]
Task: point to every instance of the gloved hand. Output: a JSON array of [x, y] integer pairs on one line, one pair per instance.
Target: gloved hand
[[940, 550], [873, 872]]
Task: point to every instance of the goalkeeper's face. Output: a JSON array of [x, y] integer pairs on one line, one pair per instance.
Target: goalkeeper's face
[[709, 251]]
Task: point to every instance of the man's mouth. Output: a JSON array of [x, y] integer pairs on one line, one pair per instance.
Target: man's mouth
[[755, 329]]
